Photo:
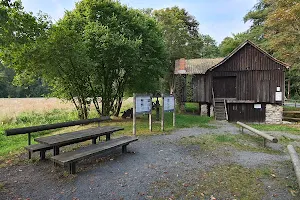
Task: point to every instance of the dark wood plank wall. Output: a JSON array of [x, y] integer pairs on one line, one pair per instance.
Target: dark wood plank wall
[[246, 113], [257, 75]]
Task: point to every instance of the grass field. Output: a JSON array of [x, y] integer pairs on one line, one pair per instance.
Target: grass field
[[12, 145]]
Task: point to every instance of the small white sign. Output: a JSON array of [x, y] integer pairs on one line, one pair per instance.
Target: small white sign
[[278, 89], [143, 104], [278, 96], [169, 103], [257, 106]]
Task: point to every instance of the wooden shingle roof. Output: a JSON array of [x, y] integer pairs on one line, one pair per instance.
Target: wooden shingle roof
[[197, 66]]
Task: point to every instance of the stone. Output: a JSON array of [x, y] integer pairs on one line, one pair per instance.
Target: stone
[[274, 114]]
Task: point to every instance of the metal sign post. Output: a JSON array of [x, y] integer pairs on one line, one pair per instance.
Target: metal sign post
[[134, 115], [174, 113], [163, 114], [150, 116]]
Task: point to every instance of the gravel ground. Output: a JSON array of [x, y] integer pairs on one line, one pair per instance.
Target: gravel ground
[[134, 175]]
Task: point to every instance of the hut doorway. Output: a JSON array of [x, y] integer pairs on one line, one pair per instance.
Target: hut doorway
[[224, 87]]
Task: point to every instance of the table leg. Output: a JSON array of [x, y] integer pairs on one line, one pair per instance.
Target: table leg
[[124, 148], [94, 140], [107, 137], [72, 168], [55, 150], [42, 155]]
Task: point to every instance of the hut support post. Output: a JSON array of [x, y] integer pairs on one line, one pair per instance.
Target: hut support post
[[199, 110], [208, 109]]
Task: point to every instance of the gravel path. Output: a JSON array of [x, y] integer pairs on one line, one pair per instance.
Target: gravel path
[[128, 176]]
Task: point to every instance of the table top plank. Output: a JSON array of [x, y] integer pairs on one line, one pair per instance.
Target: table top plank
[[77, 136]]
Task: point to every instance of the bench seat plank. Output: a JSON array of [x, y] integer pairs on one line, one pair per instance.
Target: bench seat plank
[[85, 152], [38, 147]]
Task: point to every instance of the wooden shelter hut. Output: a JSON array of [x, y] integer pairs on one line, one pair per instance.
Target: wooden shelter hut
[[248, 85]]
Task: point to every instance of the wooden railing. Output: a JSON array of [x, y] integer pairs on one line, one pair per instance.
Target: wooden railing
[[260, 133], [214, 103], [225, 106]]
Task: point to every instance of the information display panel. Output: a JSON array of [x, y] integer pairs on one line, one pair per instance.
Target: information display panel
[[143, 104], [169, 103]]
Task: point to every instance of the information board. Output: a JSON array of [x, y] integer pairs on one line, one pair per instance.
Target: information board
[[169, 103], [278, 96], [143, 104]]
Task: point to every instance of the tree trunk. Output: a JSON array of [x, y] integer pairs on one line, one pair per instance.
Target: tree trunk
[[119, 105]]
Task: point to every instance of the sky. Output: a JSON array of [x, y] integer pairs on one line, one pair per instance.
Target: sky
[[217, 18]]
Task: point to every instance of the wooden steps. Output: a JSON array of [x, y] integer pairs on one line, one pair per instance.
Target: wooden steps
[[220, 110]]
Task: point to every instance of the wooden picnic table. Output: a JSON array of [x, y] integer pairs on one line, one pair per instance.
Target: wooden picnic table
[[64, 139]]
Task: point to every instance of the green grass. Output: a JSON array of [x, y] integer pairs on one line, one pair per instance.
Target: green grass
[[288, 108], [213, 142], [276, 127], [222, 182], [13, 145], [191, 107]]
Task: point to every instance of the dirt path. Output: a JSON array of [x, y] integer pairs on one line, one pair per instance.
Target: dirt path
[[158, 167]]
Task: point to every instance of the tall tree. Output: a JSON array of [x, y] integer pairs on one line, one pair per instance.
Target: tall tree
[[283, 34], [131, 53], [209, 47], [181, 35]]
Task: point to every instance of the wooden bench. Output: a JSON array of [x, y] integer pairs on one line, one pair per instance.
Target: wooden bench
[[69, 159], [42, 148]]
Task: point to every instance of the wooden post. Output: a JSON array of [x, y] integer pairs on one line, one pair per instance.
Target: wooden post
[[174, 113], [296, 161], [29, 139], [134, 115], [265, 142], [150, 116], [162, 113], [199, 109], [289, 89], [29, 143], [208, 109]]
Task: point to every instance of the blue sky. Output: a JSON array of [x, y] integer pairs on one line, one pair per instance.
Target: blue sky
[[218, 18]]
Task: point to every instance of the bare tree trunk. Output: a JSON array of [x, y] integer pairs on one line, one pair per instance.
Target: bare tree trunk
[[119, 105]]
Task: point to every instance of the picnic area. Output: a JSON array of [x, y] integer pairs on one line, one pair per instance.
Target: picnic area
[[180, 164], [162, 100]]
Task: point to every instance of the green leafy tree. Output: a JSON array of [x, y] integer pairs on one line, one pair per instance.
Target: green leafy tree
[[209, 47], [181, 36], [100, 49], [283, 34], [125, 47]]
